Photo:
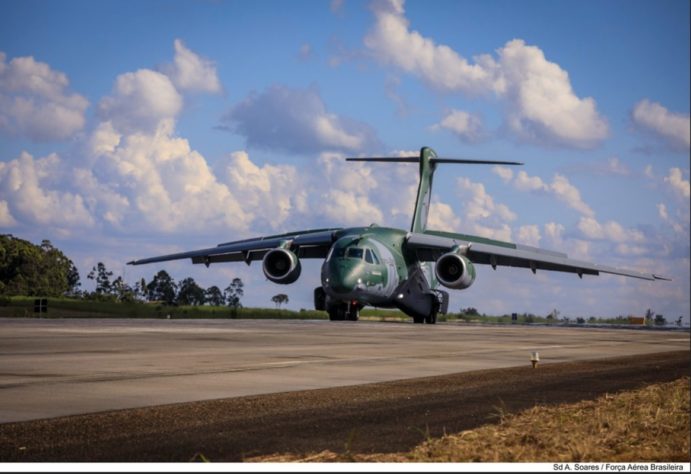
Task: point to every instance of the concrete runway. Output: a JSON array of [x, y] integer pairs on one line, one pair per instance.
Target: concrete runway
[[51, 368]]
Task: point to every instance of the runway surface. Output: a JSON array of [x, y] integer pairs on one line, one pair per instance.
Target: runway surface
[[51, 368]]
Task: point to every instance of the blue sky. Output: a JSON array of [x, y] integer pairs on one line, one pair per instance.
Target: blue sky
[[130, 129]]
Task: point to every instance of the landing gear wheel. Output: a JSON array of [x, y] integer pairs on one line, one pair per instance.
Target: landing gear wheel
[[431, 319], [353, 313], [337, 312], [418, 319]]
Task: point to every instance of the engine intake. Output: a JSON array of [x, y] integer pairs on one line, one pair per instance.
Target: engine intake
[[281, 266], [455, 271]]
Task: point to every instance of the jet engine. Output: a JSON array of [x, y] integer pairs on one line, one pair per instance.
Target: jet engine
[[455, 271], [281, 266]]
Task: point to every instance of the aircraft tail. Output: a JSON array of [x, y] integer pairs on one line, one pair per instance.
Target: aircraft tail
[[428, 160]]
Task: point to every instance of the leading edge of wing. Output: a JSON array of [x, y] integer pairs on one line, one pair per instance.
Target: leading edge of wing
[[486, 251], [311, 238]]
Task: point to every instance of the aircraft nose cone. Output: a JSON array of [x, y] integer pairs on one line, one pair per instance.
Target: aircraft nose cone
[[344, 279]]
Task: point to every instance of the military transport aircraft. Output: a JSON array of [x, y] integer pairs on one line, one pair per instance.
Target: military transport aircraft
[[386, 267]]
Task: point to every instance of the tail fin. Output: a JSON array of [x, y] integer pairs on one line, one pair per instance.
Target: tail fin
[[428, 160]]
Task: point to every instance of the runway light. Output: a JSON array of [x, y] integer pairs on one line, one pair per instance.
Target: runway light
[[534, 358]]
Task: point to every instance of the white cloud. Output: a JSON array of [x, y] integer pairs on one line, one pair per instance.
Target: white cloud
[[140, 101], [24, 186], [569, 194], [523, 182], [541, 104], [442, 217], [529, 235], [672, 127], [191, 72], [270, 192], [6, 219], [392, 42], [676, 181], [610, 230], [504, 172], [560, 187], [168, 186], [35, 101], [297, 120], [466, 126]]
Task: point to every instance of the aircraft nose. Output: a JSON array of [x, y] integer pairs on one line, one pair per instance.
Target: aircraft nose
[[344, 279]]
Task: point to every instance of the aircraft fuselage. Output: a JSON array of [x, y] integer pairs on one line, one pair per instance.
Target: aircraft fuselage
[[371, 266]]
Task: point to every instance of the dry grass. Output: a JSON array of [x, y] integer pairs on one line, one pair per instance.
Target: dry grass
[[646, 425]]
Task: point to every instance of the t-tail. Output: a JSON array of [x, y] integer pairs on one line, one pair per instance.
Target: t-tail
[[428, 161]]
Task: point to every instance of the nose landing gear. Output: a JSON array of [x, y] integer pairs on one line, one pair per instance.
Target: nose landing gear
[[344, 311]]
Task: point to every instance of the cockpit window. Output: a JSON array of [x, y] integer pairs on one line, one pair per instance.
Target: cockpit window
[[355, 252], [371, 257]]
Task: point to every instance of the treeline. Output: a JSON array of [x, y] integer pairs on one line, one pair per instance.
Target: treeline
[[43, 270]]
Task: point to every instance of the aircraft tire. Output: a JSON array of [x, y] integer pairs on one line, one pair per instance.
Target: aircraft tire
[[353, 314], [432, 318], [337, 312], [418, 319]]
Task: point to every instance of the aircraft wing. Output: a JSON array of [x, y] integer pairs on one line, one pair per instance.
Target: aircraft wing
[[305, 244], [430, 245]]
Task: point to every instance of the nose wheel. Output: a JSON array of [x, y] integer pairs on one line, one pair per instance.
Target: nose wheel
[[344, 312]]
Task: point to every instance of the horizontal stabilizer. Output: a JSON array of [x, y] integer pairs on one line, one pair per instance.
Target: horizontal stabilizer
[[416, 159]]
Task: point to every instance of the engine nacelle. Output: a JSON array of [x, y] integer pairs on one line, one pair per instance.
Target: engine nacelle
[[281, 266], [455, 271]]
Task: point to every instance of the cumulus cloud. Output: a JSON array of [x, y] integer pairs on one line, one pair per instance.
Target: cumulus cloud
[[504, 172], [190, 71], [274, 192], [6, 219], [25, 187], [678, 184], [560, 187], [541, 105], [673, 128], [568, 193], [168, 185], [610, 230], [481, 214], [140, 101], [35, 101], [466, 126], [393, 42], [442, 217], [297, 120], [529, 235]]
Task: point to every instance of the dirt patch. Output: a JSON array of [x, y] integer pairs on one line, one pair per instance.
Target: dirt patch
[[389, 417]]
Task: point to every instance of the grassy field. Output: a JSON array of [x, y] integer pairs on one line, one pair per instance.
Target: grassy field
[[646, 425], [23, 307]]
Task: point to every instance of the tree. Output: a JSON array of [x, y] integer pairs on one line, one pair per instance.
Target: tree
[[122, 291], [102, 276], [189, 293], [279, 299], [233, 293], [32, 270], [73, 280], [162, 288], [140, 290], [214, 296]]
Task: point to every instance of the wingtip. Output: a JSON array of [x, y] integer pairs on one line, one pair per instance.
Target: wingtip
[[658, 277], [132, 262]]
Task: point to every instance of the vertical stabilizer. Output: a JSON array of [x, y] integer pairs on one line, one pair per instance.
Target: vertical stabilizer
[[428, 161], [424, 189]]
